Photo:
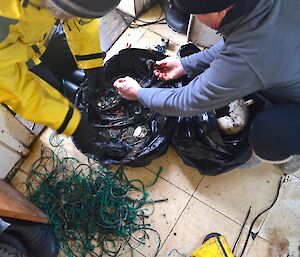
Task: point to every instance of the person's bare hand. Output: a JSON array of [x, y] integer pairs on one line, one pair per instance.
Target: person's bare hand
[[127, 88], [169, 69]]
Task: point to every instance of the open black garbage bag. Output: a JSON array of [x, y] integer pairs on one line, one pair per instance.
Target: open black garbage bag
[[201, 144], [133, 135], [128, 132]]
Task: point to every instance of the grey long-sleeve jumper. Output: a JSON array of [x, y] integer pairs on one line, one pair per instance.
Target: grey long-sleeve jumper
[[260, 52]]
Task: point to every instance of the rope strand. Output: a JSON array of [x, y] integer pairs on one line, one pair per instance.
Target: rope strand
[[91, 208]]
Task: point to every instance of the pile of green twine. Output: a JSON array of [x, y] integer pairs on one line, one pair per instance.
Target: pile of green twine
[[93, 211]]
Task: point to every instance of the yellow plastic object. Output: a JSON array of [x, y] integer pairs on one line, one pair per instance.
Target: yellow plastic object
[[214, 247]]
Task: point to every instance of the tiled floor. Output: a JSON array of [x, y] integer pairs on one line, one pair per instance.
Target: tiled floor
[[197, 204]]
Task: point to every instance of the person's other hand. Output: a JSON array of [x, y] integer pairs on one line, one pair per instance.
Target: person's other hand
[[127, 88], [169, 69]]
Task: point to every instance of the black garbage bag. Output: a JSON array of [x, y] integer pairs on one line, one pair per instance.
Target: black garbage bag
[[134, 135], [200, 141], [129, 133], [201, 144]]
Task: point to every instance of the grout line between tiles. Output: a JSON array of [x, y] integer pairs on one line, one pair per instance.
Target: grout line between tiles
[[260, 227], [219, 212], [20, 170], [198, 186], [174, 184], [250, 245], [133, 253], [295, 176], [175, 223], [163, 36], [246, 226], [236, 221], [191, 196], [140, 37]]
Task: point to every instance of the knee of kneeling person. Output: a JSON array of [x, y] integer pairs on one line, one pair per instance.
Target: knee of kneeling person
[[266, 147]]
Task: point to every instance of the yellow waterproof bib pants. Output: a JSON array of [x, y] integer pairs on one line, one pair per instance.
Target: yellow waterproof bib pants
[[25, 29]]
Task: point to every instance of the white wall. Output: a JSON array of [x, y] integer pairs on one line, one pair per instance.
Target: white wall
[[15, 140], [201, 34], [134, 7]]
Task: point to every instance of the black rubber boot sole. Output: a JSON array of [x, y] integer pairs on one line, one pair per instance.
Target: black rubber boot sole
[[176, 20]]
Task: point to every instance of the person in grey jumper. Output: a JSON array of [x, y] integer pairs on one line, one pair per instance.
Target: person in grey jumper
[[260, 51]]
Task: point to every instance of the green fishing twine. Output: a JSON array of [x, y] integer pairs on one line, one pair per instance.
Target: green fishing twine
[[93, 211]]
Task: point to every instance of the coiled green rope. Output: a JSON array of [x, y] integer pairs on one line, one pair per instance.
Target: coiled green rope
[[92, 209]]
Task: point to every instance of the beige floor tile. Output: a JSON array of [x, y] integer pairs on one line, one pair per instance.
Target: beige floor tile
[[71, 150], [32, 161], [234, 192], [151, 39], [67, 146], [135, 254], [197, 221], [35, 154], [282, 224], [129, 38], [127, 254], [165, 31], [61, 254], [260, 248], [49, 146], [165, 214], [19, 181], [263, 248], [50, 138], [297, 174], [176, 172]]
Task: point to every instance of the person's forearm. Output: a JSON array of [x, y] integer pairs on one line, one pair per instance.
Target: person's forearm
[[196, 63], [228, 78], [186, 101]]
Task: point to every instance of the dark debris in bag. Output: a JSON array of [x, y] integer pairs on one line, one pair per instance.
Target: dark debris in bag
[[130, 133], [134, 135]]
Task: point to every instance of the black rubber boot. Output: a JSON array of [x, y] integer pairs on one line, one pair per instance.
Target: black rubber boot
[[36, 237], [176, 20], [14, 242], [9, 251]]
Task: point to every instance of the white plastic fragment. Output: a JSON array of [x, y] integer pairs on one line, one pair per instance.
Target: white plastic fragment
[[140, 132]]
